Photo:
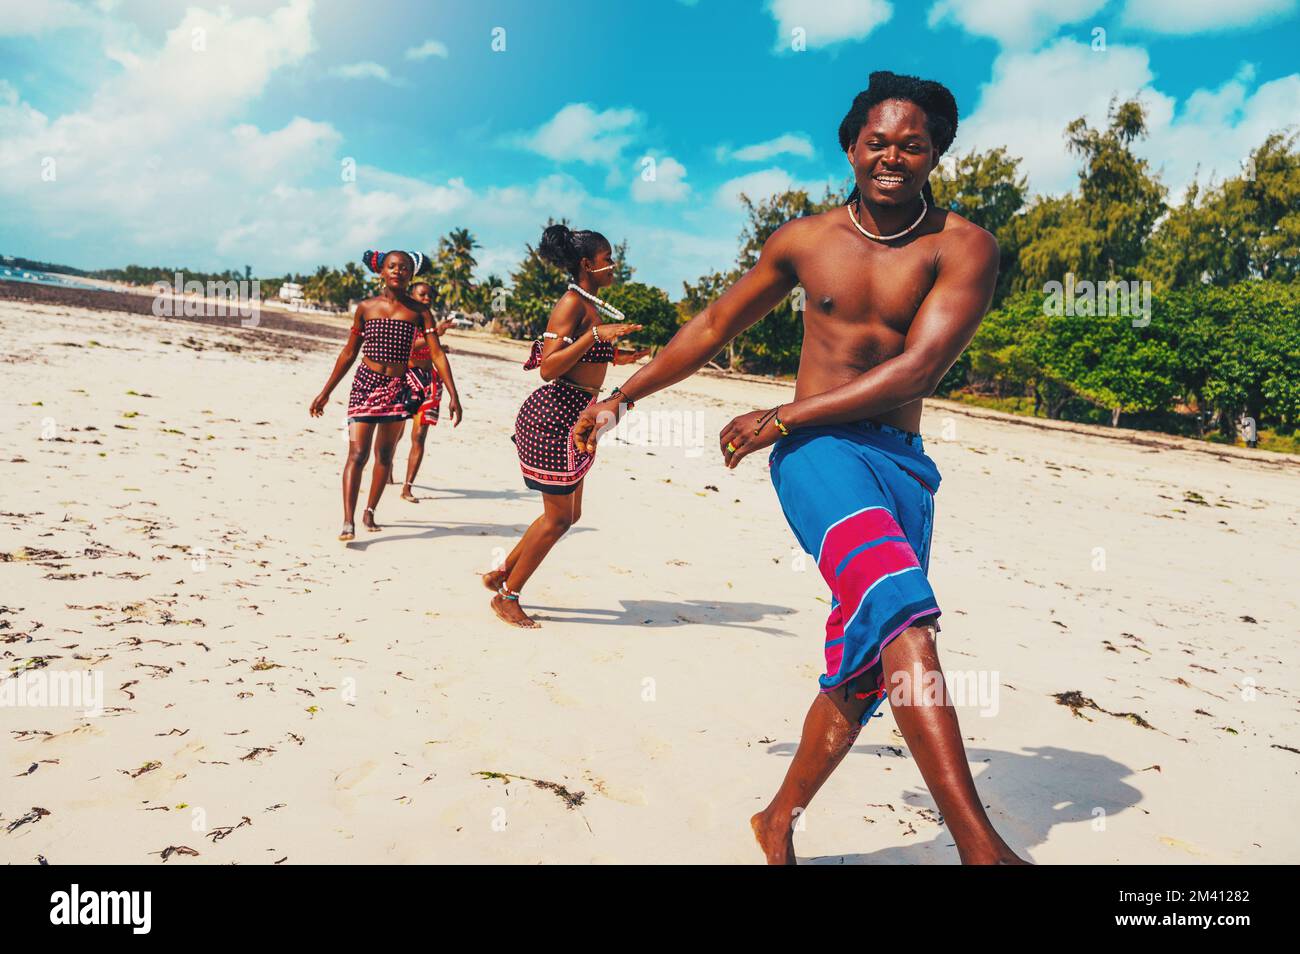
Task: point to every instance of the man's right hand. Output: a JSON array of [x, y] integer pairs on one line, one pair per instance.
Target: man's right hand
[[593, 422]]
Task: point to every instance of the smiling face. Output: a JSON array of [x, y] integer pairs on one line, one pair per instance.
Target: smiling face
[[892, 155], [395, 272], [601, 267], [422, 293]]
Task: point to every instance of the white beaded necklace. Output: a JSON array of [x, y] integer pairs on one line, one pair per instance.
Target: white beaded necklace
[[884, 238], [601, 305]]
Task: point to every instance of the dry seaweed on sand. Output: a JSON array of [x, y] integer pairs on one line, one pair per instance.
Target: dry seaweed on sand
[[1074, 700], [147, 767], [221, 831], [35, 815], [175, 850], [571, 799]]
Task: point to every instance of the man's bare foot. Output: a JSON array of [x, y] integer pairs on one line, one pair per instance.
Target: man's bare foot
[[775, 837], [1000, 856], [368, 520], [493, 579], [508, 611], [349, 532], [407, 495]]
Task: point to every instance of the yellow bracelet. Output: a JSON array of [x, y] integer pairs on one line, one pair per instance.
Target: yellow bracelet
[[785, 431]]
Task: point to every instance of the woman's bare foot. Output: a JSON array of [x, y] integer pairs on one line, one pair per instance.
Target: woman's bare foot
[[349, 532], [368, 520], [775, 837], [493, 579], [508, 610], [407, 495]]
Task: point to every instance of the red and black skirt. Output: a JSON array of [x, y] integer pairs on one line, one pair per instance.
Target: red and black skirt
[[544, 438], [429, 386], [376, 398]]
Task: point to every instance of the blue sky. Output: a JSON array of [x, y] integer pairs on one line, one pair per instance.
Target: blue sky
[[216, 135]]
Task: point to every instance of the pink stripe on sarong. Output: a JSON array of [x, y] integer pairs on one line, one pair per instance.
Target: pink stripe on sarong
[[868, 568], [850, 533], [835, 636]]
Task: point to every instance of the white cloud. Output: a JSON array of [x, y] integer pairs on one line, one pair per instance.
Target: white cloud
[[1212, 130], [578, 133], [179, 176], [1182, 17], [826, 22], [283, 149], [364, 70], [1031, 96], [1215, 130], [154, 164], [427, 49], [24, 18], [763, 184], [1013, 23], [668, 182], [792, 144]]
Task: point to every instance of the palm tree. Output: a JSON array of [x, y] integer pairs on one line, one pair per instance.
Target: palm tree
[[352, 284], [456, 266]]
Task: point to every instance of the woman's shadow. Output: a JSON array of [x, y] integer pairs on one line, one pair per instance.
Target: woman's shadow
[[1030, 792]]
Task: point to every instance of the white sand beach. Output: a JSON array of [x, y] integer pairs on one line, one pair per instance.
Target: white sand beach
[[271, 695]]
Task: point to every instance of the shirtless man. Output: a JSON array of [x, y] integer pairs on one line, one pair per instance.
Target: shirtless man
[[895, 289]]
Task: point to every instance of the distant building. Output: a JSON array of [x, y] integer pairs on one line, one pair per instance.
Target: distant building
[[291, 291]]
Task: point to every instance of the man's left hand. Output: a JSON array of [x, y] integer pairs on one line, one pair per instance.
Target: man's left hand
[[738, 440]]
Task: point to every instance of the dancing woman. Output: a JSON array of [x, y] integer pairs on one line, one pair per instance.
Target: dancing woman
[[382, 330], [572, 355], [425, 375]]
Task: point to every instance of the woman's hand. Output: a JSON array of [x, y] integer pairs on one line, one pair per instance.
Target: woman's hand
[[318, 404], [593, 422], [443, 326], [611, 333], [738, 440], [453, 406], [630, 357]]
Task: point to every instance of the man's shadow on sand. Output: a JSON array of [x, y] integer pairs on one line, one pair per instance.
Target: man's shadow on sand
[[661, 614], [1037, 789]]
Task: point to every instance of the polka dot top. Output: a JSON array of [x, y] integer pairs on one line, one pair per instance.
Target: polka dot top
[[419, 347], [387, 340], [602, 352]]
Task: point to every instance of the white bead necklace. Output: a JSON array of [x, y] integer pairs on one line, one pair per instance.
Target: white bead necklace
[[884, 238], [601, 305]]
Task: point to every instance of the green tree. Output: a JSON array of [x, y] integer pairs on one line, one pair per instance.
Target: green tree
[[702, 293], [645, 305], [485, 293], [985, 187], [1254, 355], [536, 285], [455, 264], [623, 269], [1120, 198], [1246, 227]]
